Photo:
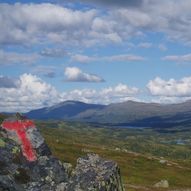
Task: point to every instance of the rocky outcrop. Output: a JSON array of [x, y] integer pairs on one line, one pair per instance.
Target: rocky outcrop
[[47, 173], [94, 173]]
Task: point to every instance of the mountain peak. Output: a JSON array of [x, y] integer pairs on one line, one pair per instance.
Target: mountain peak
[[129, 112]]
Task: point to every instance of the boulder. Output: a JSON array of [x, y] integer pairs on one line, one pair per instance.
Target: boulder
[[93, 173], [47, 173]]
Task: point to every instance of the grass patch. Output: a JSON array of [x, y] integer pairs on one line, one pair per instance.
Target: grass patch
[[136, 151]]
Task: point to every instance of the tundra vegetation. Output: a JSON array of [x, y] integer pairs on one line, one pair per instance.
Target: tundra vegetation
[[146, 156]]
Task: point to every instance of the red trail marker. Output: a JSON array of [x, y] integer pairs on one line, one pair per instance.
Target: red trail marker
[[20, 127]]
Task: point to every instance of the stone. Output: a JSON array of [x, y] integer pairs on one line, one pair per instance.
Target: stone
[[162, 161], [47, 173], [94, 173], [61, 187], [162, 184]]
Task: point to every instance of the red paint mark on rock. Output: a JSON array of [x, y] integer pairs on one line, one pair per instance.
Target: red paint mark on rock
[[20, 127]]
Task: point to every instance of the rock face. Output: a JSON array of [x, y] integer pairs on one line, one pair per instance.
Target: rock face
[[47, 173], [93, 173]]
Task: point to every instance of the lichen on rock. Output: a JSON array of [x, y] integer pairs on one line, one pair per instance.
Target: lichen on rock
[[47, 173], [92, 173], [2, 143]]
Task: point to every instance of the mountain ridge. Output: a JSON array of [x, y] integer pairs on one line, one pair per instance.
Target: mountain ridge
[[68, 109], [129, 113]]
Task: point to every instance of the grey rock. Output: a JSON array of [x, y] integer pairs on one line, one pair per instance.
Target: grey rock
[[162, 184], [8, 183], [35, 137], [62, 187], [68, 168], [94, 173], [47, 173]]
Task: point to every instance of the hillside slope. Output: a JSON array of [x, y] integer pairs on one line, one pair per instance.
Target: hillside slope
[[63, 110], [126, 113]]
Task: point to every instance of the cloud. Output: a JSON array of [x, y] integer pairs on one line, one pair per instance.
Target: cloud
[[118, 93], [54, 23], [6, 82], [114, 3], [178, 58], [10, 58], [170, 88], [54, 52], [47, 71], [171, 18], [169, 100], [84, 59], [84, 95], [124, 57], [145, 45], [42, 23], [162, 47], [50, 23], [30, 93], [74, 74]]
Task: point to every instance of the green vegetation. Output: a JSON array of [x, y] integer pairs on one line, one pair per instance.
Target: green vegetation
[[2, 117], [2, 143], [145, 156]]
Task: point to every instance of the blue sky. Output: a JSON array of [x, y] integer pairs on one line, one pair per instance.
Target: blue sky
[[94, 51]]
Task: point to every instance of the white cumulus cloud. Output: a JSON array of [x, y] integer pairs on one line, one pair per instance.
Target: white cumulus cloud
[[118, 93], [171, 87], [34, 23], [74, 74], [46, 22], [30, 93]]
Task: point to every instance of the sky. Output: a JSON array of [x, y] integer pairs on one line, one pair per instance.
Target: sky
[[94, 51]]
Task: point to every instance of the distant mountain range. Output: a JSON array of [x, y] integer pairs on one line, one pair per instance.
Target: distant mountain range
[[128, 113]]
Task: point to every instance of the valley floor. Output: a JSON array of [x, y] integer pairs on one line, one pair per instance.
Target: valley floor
[[145, 156]]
